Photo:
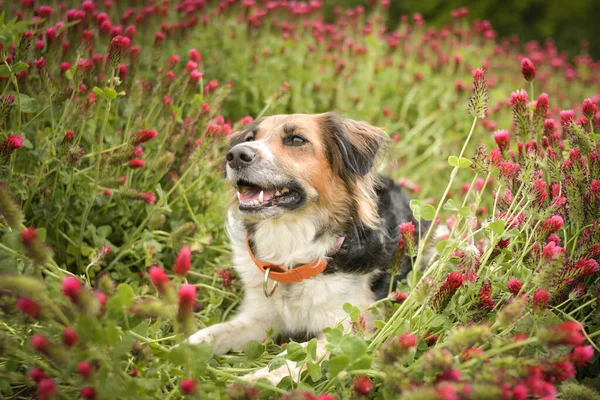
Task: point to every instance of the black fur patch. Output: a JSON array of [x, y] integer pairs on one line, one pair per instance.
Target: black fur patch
[[346, 159], [242, 136], [366, 250]]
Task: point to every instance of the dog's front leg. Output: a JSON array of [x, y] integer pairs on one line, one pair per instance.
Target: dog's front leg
[[234, 334]]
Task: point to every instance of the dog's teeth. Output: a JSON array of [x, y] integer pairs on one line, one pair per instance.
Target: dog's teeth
[[285, 190], [238, 195], [261, 196], [278, 193]]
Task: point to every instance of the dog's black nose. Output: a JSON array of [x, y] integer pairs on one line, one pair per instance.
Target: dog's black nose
[[240, 156]]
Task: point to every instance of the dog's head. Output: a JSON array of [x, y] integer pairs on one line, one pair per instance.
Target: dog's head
[[306, 165]]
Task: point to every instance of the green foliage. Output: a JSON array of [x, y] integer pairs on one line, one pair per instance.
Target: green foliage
[[108, 174]]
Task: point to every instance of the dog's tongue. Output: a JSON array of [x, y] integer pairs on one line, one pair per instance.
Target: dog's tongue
[[255, 194]]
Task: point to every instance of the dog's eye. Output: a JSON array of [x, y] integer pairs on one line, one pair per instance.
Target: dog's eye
[[294, 141], [249, 139]]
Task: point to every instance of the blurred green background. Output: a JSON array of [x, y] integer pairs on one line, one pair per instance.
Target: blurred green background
[[568, 22]]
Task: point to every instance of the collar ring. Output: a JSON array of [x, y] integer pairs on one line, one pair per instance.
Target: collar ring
[[268, 292]]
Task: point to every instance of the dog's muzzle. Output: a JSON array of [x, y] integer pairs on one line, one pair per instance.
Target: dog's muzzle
[[240, 156]]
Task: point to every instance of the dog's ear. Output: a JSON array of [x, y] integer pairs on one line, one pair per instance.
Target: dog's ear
[[352, 146]]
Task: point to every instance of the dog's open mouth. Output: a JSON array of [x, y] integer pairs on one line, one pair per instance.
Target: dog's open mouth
[[253, 197]]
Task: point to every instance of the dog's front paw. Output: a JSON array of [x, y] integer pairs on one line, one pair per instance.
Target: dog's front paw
[[210, 336], [203, 335], [275, 376]]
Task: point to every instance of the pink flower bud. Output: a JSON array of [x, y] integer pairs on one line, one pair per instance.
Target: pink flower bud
[[568, 334], [71, 287], [85, 369], [40, 343], [514, 286], [28, 236], [159, 38], [540, 300], [158, 277], [183, 262], [527, 69], [188, 386], [136, 163], [502, 138], [407, 340], [362, 386], [589, 109], [36, 374], [29, 307], [143, 136], [12, 142], [398, 297], [88, 393], [581, 355], [46, 389], [45, 11], [195, 56], [149, 197], [70, 337], [187, 297]]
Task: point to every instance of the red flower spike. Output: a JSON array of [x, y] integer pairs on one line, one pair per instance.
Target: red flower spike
[[568, 334], [158, 277], [143, 136], [148, 197], [398, 297], [101, 297], [453, 282], [540, 300], [85, 369], [136, 163], [29, 307], [40, 343], [407, 340], [183, 262], [88, 393], [117, 46], [551, 251], [431, 339], [188, 386], [470, 352], [514, 286], [589, 109], [195, 56], [362, 386], [527, 69], [71, 288], [46, 389], [70, 337], [560, 371], [502, 138], [520, 392], [36, 374], [452, 375], [553, 224], [28, 236], [187, 297], [581, 355]]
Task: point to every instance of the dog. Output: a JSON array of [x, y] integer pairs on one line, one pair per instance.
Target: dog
[[312, 226]]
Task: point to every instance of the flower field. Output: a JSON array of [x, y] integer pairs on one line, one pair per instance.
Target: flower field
[[115, 116]]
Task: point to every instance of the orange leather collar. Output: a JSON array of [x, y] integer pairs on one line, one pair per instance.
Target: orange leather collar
[[281, 274]]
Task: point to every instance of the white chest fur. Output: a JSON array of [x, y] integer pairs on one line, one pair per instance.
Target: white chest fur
[[307, 306]]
